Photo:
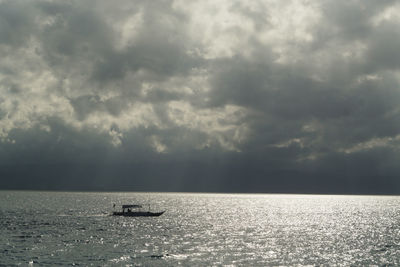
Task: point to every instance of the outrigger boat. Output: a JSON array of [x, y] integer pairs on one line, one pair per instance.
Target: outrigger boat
[[135, 211]]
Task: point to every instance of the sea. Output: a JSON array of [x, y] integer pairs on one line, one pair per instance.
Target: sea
[[75, 228]]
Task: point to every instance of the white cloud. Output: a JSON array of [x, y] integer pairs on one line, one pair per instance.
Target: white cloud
[[373, 144]]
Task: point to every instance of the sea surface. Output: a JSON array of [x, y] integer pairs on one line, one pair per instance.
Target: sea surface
[[64, 228]]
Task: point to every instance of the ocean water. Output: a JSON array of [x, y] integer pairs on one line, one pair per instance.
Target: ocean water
[[63, 228]]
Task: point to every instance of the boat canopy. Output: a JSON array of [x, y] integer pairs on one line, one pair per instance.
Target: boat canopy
[[131, 206]]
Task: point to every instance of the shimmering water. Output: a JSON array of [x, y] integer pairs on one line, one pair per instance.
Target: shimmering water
[[57, 228]]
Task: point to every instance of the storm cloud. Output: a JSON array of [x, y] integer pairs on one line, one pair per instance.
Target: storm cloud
[[227, 96]]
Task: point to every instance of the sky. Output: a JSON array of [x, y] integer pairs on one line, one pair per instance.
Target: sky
[[211, 96]]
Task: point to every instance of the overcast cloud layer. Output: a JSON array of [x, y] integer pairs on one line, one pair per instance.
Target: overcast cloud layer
[[232, 96]]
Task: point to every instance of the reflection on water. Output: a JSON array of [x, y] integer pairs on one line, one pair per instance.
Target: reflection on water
[[54, 228]]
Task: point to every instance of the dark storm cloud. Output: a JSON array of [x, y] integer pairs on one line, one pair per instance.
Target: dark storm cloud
[[269, 96], [382, 45], [15, 23]]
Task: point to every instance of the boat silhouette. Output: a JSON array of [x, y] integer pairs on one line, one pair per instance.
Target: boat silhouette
[[136, 211]]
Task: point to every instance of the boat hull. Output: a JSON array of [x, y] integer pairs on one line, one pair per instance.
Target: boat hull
[[138, 214]]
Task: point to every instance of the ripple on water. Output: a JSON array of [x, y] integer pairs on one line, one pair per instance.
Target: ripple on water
[[199, 229]]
